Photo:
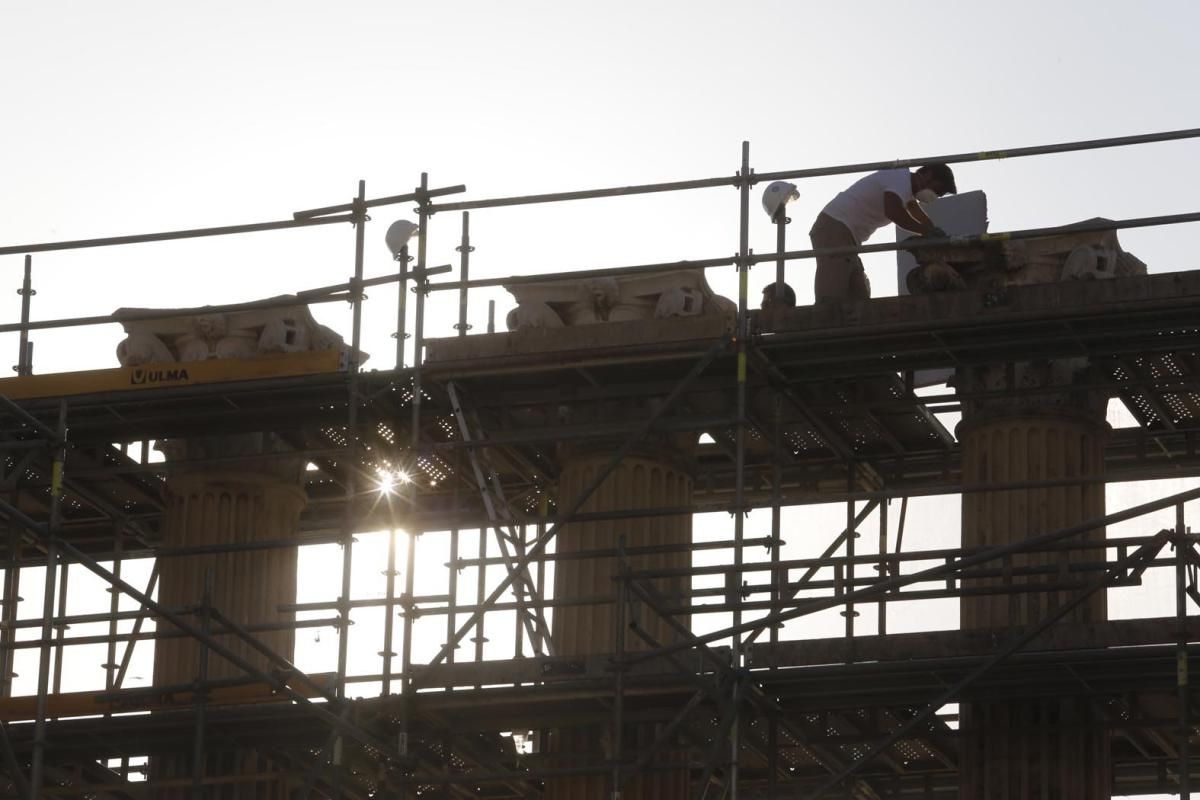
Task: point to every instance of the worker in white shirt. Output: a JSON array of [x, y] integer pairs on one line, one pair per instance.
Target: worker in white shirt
[[849, 219]]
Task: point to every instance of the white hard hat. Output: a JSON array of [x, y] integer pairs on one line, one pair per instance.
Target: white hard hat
[[398, 234], [778, 194]]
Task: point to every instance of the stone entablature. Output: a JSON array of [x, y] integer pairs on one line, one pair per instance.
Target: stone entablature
[[567, 302], [1087, 255], [192, 335]]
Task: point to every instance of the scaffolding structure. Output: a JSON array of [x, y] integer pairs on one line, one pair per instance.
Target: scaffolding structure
[[817, 408]]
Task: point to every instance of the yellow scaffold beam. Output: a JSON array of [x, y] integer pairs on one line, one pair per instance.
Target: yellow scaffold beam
[[157, 376]]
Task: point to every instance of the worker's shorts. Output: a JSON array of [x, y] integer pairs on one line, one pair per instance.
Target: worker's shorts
[[839, 277]]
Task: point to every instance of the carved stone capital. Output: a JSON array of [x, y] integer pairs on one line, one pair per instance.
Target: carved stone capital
[[195, 335], [1030, 388], [659, 295]]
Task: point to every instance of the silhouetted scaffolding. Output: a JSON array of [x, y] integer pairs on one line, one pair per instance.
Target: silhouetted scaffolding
[[749, 712]]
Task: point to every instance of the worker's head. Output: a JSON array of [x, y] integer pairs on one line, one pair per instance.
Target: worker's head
[[778, 295], [937, 178]]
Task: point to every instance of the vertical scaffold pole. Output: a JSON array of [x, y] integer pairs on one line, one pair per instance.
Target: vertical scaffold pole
[[200, 693], [24, 351], [60, 627], [452, 594], [419, 322], [851, 535], [422, 284], [883, 551], [480, 596], [465, 249], [12, 591], [781, 222], [743, 332], [114, 608], [618, 718], [776, 515], [58, 459], [401, 305], [389, 613], [452, 577], [410, 574], [406, 643], [349, 475], [543, 511], [1182, 544], [778, 577]]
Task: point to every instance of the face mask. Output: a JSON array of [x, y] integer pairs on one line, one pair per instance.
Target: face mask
[[926, 195]]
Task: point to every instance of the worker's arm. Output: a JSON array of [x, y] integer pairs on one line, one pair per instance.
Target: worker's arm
[[898, 213], [914, 210]]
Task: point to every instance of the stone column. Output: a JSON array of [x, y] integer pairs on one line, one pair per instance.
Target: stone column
[[226, 491], [658, 477], [230, 506], [1032, 748], [567, 321]]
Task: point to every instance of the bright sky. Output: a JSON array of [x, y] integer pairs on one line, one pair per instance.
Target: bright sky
[[130, 117]]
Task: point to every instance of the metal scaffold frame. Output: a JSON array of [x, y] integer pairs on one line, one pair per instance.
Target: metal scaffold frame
[[746, 710]]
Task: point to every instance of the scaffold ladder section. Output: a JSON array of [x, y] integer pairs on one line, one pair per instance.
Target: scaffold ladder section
[[491, 492]]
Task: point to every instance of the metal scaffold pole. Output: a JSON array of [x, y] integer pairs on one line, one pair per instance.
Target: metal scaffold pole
[[778, 577], [618, 714], [1134, 561], [167, 236], [389, 613], [881, 623], [522, 562], [58, 459], [739, 520], [402, 258], [199, 767], [114, 608], [849, 612], [464, 273], [1183, 546], [60, 627], [349, 475], [421, 288], [867, 166], [745, 707], [952, 567], [12, 588], [24, 346]]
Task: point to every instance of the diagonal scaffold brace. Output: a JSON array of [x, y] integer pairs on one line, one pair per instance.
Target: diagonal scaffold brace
[[1134, 562], [540, 543]]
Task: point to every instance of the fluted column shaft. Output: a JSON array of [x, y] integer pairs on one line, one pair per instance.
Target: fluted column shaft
[[1032, 748], [644, 481], [228, 508]]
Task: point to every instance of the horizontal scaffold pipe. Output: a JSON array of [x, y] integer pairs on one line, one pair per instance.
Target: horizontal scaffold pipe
[[868, 166], [589, 194], [877, 590], [919, 243], [441, 523], [791, 255], [600, 272], [163, 633], [36, 534], [324, 294], [438, 522], [193, 233], [985, 155], [418, 195]]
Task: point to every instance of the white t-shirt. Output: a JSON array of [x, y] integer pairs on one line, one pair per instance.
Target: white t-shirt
[[860, 208]]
